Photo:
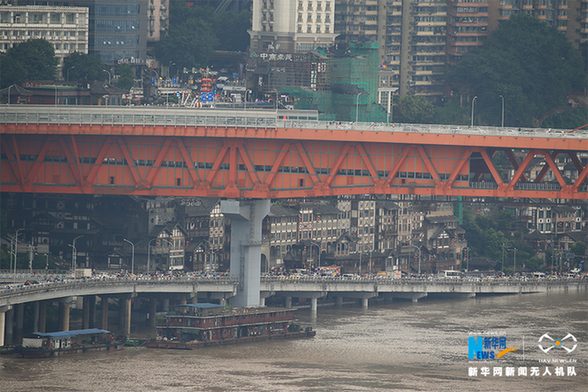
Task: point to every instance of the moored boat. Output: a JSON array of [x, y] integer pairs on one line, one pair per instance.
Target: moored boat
[[200, 325], [42, 345]]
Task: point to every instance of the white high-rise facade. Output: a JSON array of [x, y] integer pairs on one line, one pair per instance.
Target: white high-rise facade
[[290, 26]]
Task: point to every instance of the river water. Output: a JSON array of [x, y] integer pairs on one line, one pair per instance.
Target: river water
[[390, 346]]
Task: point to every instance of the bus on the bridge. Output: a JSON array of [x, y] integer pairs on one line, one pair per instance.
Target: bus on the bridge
[[451, 274]]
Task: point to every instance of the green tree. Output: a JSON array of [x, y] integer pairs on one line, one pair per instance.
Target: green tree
[[33, 59], [532, 65], [84, 66], [579, 248], [236, 37], [190, 40], [126, 78], [414, 109], [451, 113]]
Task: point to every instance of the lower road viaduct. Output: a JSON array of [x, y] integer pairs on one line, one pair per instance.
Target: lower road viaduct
[[133, 294]]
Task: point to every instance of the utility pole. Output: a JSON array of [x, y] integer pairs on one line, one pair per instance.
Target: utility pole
[[502, 265]]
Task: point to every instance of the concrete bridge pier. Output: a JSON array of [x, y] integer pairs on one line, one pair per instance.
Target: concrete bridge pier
[[194, 297], [19, 323], [42, 325], [263, 295], [36, 316], [412, 296], [3, 325], [64, 305], [125, 313], [9, 325], [104, 312], [152, 312], [288, 302], [89, 309], [246, 220], [165, 304], [338, 302]]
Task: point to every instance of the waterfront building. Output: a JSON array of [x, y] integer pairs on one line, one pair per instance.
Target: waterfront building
[[65, 28]]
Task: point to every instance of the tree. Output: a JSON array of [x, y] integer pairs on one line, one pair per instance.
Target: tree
[[190, 40], [126, 78], [579, 248], [414, 109], [451, 113], [532, 65], [84, 66], [33, 59], [235, 38]]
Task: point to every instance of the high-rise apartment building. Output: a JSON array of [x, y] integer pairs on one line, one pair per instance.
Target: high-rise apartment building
[[290, 26], [117, 29], [65, 28]]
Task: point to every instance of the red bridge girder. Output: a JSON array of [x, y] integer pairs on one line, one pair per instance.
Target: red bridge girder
[[272, 154], [235, 164]]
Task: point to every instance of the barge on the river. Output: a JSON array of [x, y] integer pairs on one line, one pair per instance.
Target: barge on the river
[[200, 325], [41, 345]]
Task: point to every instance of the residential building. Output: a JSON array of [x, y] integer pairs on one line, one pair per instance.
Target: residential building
[[292, 26], [66, 28]]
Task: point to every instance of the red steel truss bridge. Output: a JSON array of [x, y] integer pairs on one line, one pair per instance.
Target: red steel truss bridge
[[262, 154]]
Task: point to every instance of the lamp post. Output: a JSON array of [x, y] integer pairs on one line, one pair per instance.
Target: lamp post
[[109, 75], [149, 250], [16, 252], [9, 87], [360, 254], [357, 107], [74, 254], [419, 249], [318, 246], [67, 73], [502, 110], [132, 255], [473, 102]]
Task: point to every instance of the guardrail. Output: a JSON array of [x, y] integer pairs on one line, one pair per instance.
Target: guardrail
[[180, 116]]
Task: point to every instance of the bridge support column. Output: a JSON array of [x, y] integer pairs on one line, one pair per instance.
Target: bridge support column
[[416, 297], [246, 219], [313, 304], [288, 302], [86, 312], [166, 305], [9, 327], [152, 312], [412, 296], [194, 297], [263, 296], [365, 303], [92, 305], [339, 301], [125, 314], [104, 312], [64, 316], [19, 323], [3, 311], [42, 316], [36, 316]]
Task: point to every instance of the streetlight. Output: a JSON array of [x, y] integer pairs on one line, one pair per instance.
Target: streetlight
[[9, 87], [16, 251], [74, 254], [149, 250], [109, 75], [318, 246], [419, 249], [67, 73], [502, 110], [357, 107], [132, 255], [473, 101]]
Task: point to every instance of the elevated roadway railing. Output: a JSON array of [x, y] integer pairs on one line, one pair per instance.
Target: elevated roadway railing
[[67, 288], [182, 117]]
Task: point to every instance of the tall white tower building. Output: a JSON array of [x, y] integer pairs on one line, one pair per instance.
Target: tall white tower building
[[290, 26]]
